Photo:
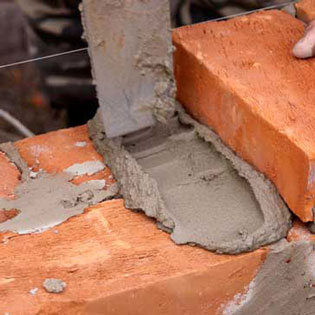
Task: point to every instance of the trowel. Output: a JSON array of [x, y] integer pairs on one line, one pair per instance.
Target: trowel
[[167, 164], [131, 54]]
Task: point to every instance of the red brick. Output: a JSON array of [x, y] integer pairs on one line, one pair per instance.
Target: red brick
[[10, 177], [239, 77], [305, 10], [6, 215], [55, 151], [116, 262]]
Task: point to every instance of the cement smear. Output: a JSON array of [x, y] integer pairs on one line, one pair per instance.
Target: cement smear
[[88, 168], [47, 200], [199, 190], [283, 286], [54, 285]]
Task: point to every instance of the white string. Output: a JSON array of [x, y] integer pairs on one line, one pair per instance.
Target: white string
[[43, 58], [16, 123], [276, 6]]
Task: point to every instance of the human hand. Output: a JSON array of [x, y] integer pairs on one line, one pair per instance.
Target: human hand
[[305, 47]]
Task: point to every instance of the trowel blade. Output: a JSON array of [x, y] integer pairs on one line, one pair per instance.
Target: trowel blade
[[128, 40]]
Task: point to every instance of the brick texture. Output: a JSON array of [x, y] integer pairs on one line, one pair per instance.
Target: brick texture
[[305, 10], [114, 261], [240, 78], [11, 175], [55, 151]]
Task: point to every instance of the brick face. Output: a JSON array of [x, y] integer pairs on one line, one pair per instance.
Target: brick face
[[240, 78], [305, 10], [10, 178]]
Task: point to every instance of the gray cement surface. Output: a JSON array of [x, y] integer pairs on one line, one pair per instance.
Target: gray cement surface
[[54, 285], [46, 200], [284, 284]]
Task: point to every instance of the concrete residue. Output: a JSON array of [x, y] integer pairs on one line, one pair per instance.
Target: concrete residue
[[54, 285], [290, 8], [88, 168], [285, 284], [80, 144], [33, 291], [33, 174], [47, 200], [163, 104], [185, 177]]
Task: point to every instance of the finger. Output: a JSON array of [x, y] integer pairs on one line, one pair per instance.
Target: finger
[[305, 47]]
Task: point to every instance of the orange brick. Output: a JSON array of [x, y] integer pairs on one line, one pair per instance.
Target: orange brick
[[299, 231], [8, 214], [305, 10], [55, 151], [10, 177], [115, 261], [240, 78]]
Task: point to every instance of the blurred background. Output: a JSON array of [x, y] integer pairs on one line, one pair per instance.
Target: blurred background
[[49, 94]]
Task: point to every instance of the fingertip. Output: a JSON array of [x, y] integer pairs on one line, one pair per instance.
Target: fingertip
[[302, 51], [304, 48]]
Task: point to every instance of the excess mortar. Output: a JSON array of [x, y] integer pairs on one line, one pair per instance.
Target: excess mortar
[[285, 284], [44, 201]]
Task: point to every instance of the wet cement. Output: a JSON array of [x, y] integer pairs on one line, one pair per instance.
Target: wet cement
[[288, 291], [197, 189], [46, 200], [54, 285]]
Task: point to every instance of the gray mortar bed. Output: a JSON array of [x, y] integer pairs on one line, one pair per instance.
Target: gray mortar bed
[[182, 175]]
